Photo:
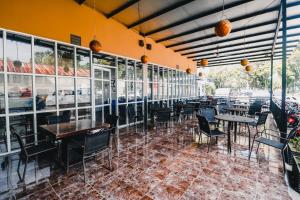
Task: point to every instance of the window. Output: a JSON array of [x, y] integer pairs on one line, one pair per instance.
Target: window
[[84, 92], [44, 57], [66, 92], [83, 63], [20, 93], [1, 52], [18, 53], [65, 59], [45, 92], [2, 99]]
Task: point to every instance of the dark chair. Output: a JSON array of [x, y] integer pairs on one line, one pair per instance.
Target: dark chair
[[132, 116], [222, 108], [209, 113], [32, 150], [254, 108], [205, 129], [269, 140], [162, 117], [260, 122], [94, 143], [112, 120], [187, 111]]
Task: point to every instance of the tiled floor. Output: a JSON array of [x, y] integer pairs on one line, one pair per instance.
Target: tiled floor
[[167, 165]]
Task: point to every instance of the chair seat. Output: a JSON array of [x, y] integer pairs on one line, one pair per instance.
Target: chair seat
[[252, 123], [40, 148], [273, 143], [216, 132]]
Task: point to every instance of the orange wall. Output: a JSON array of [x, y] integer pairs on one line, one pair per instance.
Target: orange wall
[[57, 19]]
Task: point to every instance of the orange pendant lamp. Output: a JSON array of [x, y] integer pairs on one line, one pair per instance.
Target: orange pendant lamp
[[144, 59], [188, 70], [223, 27], [95, 45], [244, 62], [248, 68], [201, 74], [204, 62]]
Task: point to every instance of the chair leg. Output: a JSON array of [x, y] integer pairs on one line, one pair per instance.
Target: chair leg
[[251, 150], [83, 164], [257, 148], [110, 159], [25, 167], [208, 143], [283, 160]]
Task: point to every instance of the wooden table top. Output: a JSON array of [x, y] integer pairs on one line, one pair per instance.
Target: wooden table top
[[235, 118], [63, 130]]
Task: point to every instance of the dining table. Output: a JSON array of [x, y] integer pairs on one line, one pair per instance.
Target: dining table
[[64, 132], [237, 111], [234, 120]]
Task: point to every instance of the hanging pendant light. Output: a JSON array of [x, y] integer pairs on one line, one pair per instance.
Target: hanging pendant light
[[66, 69], [144, 58], [248, 68], [223, 27], [201, 74], [95, 45], [188, 70], [204, 62], [245, 62]]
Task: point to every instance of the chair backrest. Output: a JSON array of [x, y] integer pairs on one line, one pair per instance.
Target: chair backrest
[[254, 108], [112, 120], [222, 107], [203, 124], [262, 118], [188, 110], [163, 115], [98, 141], [209, 113], [21, 143]]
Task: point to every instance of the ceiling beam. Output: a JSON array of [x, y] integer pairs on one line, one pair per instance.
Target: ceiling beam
[[122, 8], [215, 59], [237, 44], [277, 27], [241, 49], [234, 19], [160, 12], [198, 16], [235, 63], [229, 39], [249, 58], [80, 1]]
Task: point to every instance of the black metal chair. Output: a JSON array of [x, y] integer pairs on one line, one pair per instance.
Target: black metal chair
[[254, 109], [162, 117], [209, 113], [132, 116], [260, 122], [187, 111], [112, 120], [280, 144], [30, 151], [205, 129], [94, 143]]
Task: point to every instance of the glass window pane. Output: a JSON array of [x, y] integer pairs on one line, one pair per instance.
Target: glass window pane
[[65, 59], [83, 63], [71, 113], [104, 59], [131, 92], [130, 69], [139, 71], [150, 75], [2, 99], [18, 53], [122, 91], [66, 92], [121, 69], [85, 113], [150, 91], [44, 57], [20, 93], [139, 91], [155, 73], [1, 52], [155, 90], [99, 117], [98, 92], [106, 75], [45, 92], [98, 73], [84, 92], [42, 118], [106, 92], [106, 112], [23, 125], [139, 109], [3, 145], [122, 114]]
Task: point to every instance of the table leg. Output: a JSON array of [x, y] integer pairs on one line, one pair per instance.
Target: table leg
[[235, 131], [249, 142], [228, 137]]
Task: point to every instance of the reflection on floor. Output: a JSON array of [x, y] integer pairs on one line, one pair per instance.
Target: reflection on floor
[[167, 165]]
